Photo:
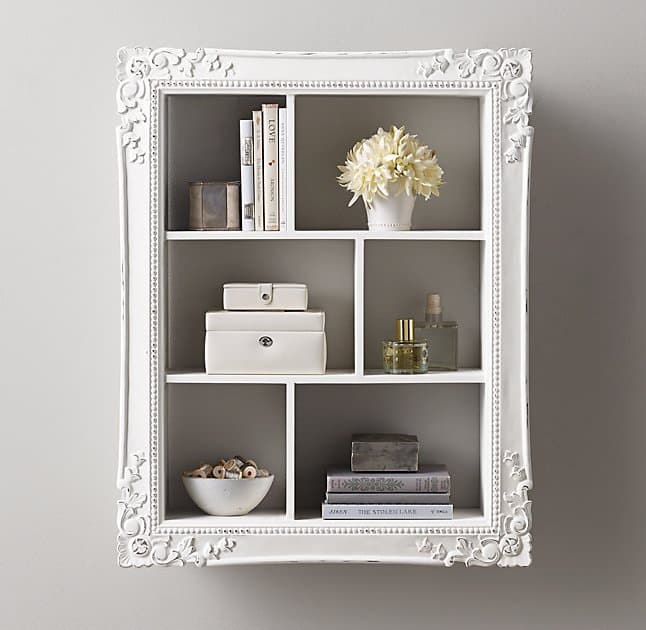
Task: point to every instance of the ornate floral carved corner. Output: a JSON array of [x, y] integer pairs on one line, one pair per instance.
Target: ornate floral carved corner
[[512, 67], [513, 545], [137, 66], [138, 547]]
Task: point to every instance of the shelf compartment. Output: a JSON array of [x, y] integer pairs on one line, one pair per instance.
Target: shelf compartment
[[203, 143], [413, 235], [399, 275], [445, 417], [204, 424], [450, 125], [197, 271]]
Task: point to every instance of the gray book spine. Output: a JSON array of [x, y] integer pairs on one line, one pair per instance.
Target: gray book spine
[[427, 498], [427, 479], [375, 511]]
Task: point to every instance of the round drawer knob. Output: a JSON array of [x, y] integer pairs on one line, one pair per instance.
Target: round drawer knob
[[265, 341]]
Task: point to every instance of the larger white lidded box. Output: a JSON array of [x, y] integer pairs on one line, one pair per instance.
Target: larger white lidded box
[[265, 342], [264, 296]]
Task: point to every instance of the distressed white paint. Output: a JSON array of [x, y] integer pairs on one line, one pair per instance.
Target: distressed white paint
[[499, 533]]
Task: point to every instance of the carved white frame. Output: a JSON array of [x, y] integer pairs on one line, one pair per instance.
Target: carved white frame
[[144, 74]]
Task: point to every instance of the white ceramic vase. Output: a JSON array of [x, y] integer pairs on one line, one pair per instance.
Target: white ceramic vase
[[391, 214]]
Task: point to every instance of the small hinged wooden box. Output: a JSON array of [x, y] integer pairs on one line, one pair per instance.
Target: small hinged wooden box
[[264, 296], [265, 342]]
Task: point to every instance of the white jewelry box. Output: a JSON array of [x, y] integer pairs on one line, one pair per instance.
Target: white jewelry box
[[265, 342], [264, 296]]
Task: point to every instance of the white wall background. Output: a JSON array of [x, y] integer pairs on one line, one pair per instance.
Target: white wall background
[[60, 323]]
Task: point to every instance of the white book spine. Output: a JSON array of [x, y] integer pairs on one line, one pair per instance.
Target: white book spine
[[282, 167], [270, 162], [258, 206], [385, 512], [247, 192]]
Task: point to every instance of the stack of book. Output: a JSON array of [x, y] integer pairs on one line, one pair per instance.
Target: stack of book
[[263, 169], [386, 482]]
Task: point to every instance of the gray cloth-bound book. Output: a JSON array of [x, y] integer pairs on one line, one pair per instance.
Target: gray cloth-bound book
[[423, 498], [429, 478]]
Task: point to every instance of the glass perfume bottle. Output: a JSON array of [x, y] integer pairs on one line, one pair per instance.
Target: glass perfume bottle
[[404, 355], [441, 336]]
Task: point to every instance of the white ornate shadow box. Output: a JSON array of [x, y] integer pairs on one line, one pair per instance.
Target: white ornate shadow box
[[179, 114]]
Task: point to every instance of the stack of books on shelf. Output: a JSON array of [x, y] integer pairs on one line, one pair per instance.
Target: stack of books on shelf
[[385, 482], [263, 169]]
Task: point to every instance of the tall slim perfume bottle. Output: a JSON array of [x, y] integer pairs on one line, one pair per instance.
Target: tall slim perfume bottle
[[441, 335], [404, 355]]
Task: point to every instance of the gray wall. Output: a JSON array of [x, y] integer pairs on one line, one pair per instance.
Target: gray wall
[[60, 324]]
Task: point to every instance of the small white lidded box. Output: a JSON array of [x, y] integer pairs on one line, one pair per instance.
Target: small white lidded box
[[265, 342], [264, 296]]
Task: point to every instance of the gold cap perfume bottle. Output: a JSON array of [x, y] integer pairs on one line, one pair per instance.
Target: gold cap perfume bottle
[[404, 355], [405, 330]]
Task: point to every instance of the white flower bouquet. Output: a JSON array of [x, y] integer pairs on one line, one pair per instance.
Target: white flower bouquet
[[390, 163]]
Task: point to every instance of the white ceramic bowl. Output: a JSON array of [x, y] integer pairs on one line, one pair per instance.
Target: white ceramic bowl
[[227, 497]]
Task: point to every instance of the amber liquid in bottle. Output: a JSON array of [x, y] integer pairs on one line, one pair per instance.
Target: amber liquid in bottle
[[405, 355]]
